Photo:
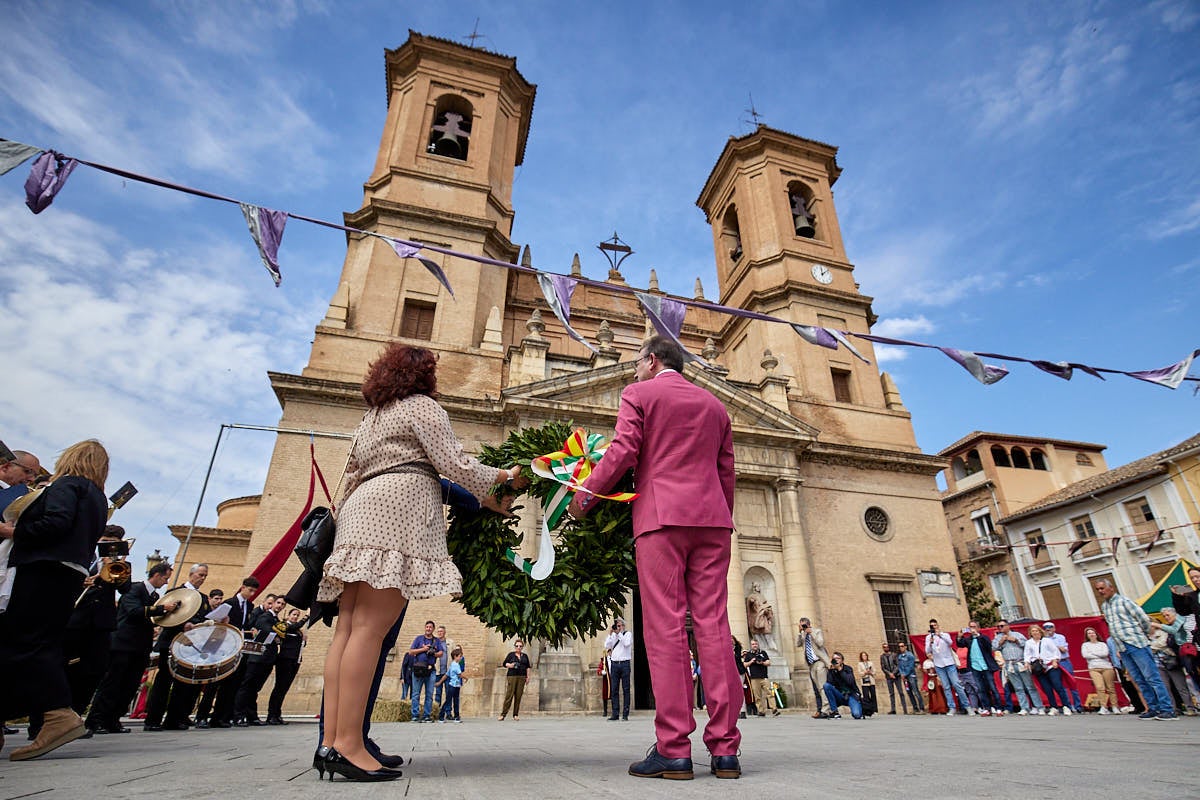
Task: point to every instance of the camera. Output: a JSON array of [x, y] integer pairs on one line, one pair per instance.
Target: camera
[[117, 549], [931, 629]]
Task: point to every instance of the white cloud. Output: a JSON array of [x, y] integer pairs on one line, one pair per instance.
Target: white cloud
[[904, 327], [149, 351], [1179, 16], [890, 354], [149, 109], [918, 268], [1047, 80], [1180, 220]]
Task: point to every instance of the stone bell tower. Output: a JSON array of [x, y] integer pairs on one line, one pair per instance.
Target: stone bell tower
[[457, 122], [769, 200]]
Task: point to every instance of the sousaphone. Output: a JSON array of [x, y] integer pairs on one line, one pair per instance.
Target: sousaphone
[[189, 603]]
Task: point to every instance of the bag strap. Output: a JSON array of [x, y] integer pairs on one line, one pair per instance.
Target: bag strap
[[345, 467]]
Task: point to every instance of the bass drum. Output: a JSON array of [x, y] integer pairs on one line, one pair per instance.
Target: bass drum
[[206, 653]]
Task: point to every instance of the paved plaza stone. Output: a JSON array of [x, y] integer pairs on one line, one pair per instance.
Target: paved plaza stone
[[792, 756]]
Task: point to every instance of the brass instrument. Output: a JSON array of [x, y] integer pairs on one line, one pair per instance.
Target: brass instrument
[[113, 572]]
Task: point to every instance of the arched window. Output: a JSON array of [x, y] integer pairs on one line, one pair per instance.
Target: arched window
[[1039, 460], [1083, 460], [1000, 456], [804, 215], [958, 468], [974, 463], [1019, 459], [731, 234], [450, 135]]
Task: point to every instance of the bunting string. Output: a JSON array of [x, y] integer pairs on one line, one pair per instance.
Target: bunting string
[[51, 170]]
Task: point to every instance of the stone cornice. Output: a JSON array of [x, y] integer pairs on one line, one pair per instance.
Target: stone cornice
[[378, 209], [874, 458], [208, 535], [757, 142]]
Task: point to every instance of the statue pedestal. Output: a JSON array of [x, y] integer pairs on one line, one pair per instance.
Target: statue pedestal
[[560, 684]]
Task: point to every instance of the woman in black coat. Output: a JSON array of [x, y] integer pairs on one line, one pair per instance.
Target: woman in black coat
[[54, 543]]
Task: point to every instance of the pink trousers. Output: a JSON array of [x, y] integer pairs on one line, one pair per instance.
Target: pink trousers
[[682, 569]]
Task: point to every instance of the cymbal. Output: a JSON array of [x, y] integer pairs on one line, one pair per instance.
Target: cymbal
[[189, 603]]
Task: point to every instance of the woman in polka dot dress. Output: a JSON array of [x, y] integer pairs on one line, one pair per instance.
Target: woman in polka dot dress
[[390, 545]]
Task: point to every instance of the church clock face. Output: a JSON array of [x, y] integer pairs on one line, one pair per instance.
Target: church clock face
[[822, 274]]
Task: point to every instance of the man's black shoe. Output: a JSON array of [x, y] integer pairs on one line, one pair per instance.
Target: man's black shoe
[[255, 723], [88, 733], [240, 723], [175, 726], [220, 724], [275, 721], [625, 718], [389, 761], [118, 728], [10, 730], [152, 728], [202, 724], [655, 766], [613, 719], [725, 767]]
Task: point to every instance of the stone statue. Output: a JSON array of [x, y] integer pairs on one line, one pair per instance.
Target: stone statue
[[759, 614]]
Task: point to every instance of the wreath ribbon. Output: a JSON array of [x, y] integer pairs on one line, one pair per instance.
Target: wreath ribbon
[[568, 467]]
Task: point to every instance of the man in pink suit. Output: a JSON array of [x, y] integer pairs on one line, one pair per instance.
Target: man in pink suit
[[677, 439]]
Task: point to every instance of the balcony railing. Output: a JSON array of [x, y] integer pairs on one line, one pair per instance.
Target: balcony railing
[[1012, 611], [1095, 548], [1044, 561], [980, 549]]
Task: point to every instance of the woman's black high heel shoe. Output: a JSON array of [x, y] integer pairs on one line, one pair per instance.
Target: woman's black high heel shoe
[[319, 758], [336, 762]]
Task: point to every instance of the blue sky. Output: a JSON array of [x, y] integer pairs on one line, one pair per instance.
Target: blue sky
[[1018, 177]]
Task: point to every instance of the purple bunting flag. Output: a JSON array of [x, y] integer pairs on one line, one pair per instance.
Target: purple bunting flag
[[405, 250], [986, 374], [266, 228], [1059, 369], [1170, 376], [666, 316], [1077, 546], [14, 154], [825, 337], [1116, 540], [46, 179], [558, 290]]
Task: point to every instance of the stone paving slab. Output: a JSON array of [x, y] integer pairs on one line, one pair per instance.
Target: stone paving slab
[[586, 757]]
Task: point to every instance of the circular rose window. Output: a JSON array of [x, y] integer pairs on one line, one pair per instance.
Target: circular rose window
[[876, 521]]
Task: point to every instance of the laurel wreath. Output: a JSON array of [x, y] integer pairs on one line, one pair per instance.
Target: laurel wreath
[[593, 568]]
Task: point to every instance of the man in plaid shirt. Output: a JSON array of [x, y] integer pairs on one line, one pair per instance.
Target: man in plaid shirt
[[1130, 629]]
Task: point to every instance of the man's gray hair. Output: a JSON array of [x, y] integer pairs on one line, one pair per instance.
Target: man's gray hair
[[1104, 581], [196, 568]]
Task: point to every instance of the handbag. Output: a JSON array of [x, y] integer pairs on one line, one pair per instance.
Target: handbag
[[1187, 650], [316, 539], [421, 670], [1037, 667], [318, 529]]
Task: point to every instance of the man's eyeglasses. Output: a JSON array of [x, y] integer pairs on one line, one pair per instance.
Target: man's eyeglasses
[[640, 358]]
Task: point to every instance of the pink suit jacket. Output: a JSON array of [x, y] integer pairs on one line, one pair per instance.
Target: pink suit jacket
[[678, 440]]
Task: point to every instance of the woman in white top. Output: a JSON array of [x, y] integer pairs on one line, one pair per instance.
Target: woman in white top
[[1104, 677], [866, 680], [1041, 654]]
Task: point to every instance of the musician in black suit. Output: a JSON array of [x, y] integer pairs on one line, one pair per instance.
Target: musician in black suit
[[168, 695], [129, 650], [286, 665], [240, 614], [90, 627], [269, 626], [53, 543]]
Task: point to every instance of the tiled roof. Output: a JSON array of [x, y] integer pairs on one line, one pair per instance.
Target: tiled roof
[[1013, 437], [1134, 470]]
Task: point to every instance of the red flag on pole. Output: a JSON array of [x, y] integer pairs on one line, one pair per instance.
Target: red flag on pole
[[274, 561]]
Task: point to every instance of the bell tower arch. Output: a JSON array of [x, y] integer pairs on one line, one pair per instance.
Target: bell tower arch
[[457, 122]]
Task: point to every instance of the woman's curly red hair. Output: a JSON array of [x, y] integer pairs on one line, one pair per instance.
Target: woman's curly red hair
[[399, 372]]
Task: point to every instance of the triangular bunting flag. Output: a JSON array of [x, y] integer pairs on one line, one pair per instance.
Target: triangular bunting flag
[[1034, 549], [825, 337], [1170, 376], [1116, 540], [1157, 536], [1059, 369], [558, 290], [266, 228], [410, 251], [986, 374], [46, 179], [667, 318], [14, 154], [1077, 546]]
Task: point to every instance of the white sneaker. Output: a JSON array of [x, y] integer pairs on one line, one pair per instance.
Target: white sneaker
[[1067, 712], [1103, 710], [996, 712], [971, 712], [1022, 713], [1052, 712], [983, 712], [1037, 712], [1125, 709]]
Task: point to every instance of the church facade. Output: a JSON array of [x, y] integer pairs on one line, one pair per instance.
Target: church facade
[[837, 510]]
